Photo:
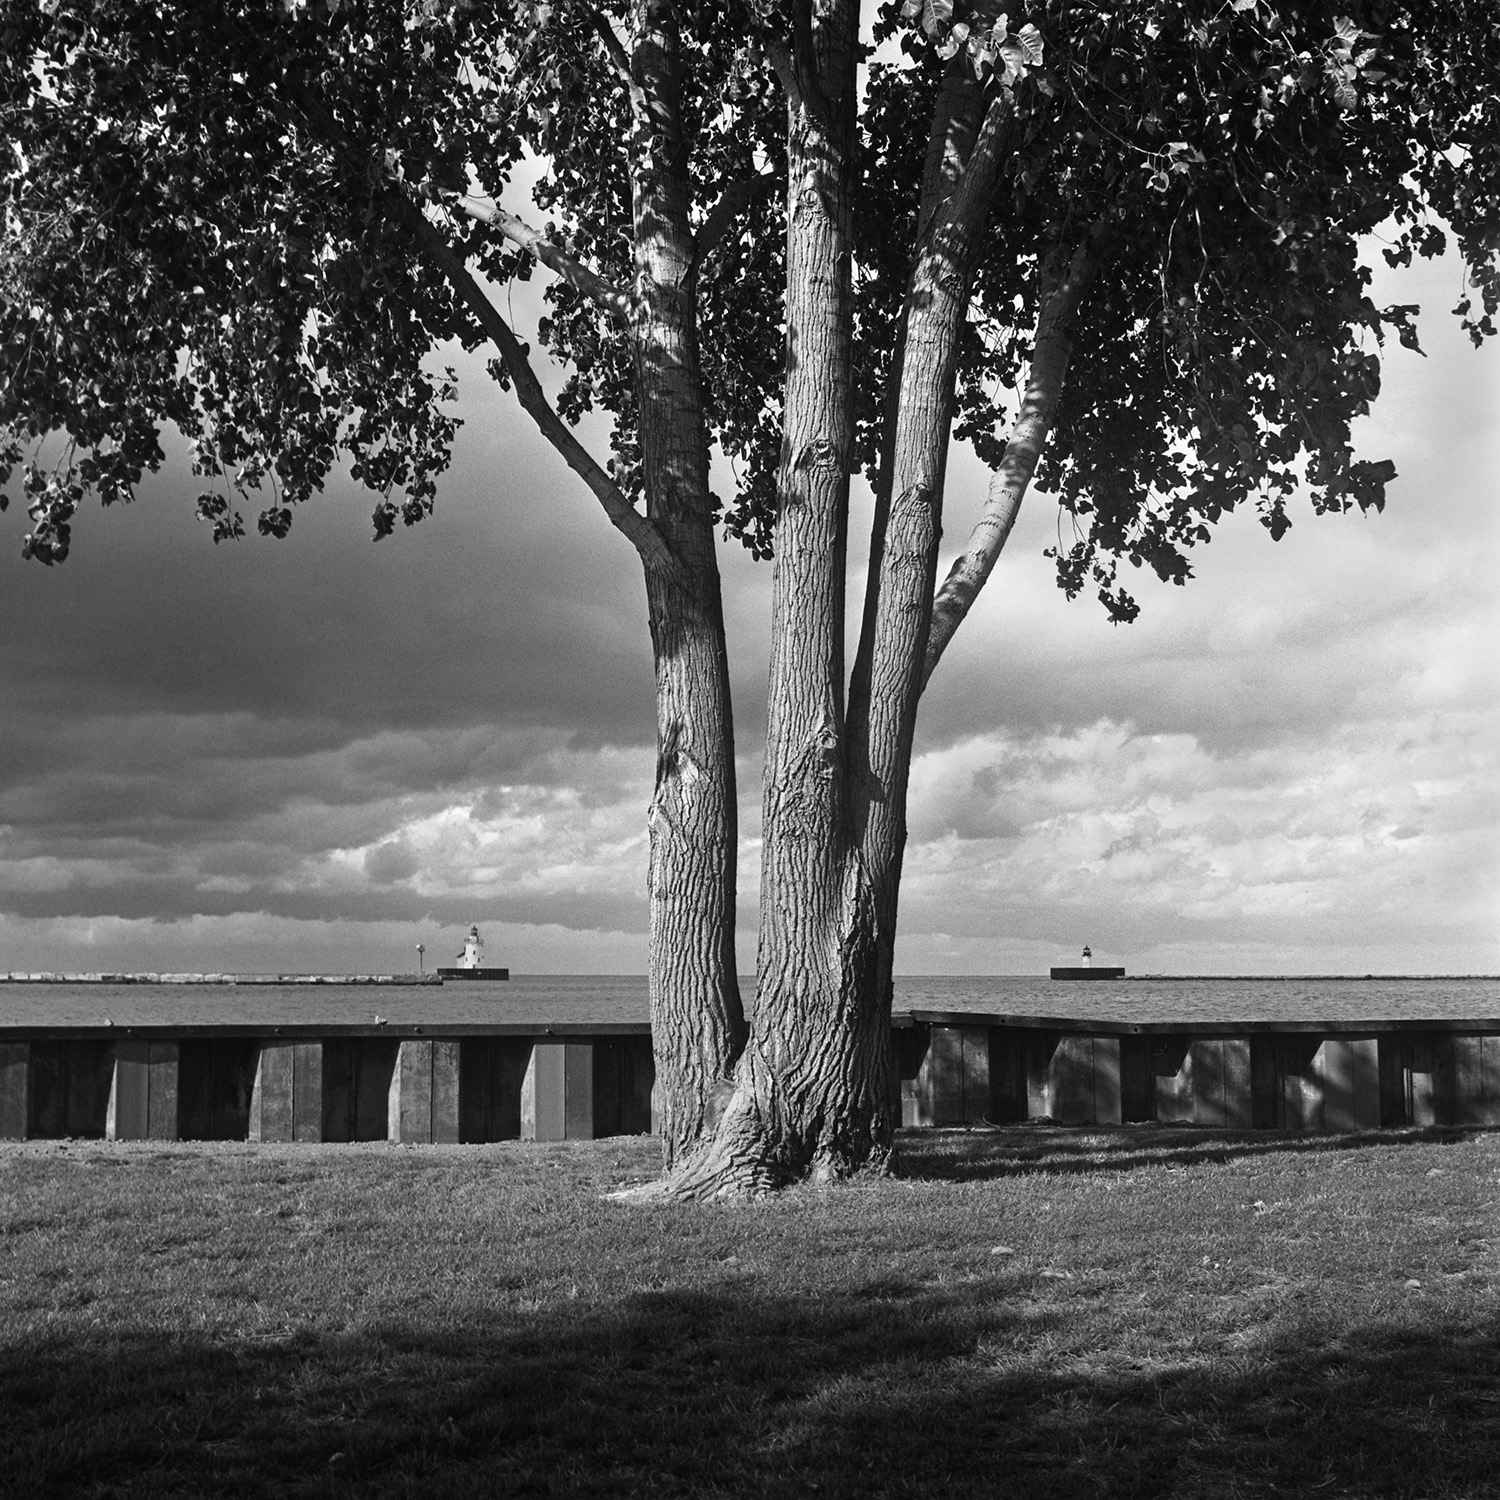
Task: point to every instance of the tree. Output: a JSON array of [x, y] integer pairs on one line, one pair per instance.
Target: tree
[[1115, 247]]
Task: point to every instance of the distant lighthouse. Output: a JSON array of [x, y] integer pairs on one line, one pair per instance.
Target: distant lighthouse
[[473, 947], [1086, 970], [470, 963]]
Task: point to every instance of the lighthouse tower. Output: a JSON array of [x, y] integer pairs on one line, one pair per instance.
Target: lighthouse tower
[[471, 957], [1087, 970], [470, 963]]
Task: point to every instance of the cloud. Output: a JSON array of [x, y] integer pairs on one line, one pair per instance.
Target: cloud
[[256, 943], [393, 824], [1346, 616], [482, 614], [1146, 845], [390, 861]]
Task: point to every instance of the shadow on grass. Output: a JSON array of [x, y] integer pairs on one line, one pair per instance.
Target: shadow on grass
[[1022, 1150], [884, 1389]]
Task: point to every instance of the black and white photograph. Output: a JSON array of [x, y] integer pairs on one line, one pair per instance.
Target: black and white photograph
[[750, 749]]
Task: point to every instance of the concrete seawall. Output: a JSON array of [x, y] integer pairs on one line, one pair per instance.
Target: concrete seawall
[[476, 1083], [961, 1069]]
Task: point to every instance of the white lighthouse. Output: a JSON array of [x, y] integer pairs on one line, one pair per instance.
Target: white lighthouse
[[471, 958], [470, 963], [1086, 969]]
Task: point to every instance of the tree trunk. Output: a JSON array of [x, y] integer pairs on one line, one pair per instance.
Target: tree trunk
[[697, 1021], [812, 1088], [815, 1090], [888, 677]]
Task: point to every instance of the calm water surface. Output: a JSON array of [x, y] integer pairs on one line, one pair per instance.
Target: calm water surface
[[593, 998]]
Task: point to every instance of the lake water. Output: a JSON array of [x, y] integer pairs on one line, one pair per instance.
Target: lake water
[[596, 998]]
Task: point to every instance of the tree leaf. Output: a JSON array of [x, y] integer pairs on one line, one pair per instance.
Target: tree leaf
[[936, 14]]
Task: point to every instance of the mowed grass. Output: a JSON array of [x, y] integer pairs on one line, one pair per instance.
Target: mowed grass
[[1030, 1312]]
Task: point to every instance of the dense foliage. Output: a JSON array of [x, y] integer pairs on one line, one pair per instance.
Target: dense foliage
[[209, 223]]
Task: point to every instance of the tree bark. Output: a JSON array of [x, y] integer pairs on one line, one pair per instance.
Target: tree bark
[[815, 1089], [803, 1090], [888, 676], [799, 1028], [1050, 352], [697, 1020]]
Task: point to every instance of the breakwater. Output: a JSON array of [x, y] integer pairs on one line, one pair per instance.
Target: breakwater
[[265, 980]]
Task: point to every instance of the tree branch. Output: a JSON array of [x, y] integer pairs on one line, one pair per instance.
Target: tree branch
[[613, 47], [1049, 362], [957, 115], [780, 57], [957, 194], [963, 182], [734, 200], [581, 278], [655, 554], [795, 63], [805, 59], [619, 60]]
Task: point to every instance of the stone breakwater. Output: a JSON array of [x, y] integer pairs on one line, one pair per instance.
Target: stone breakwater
[[143, 978]]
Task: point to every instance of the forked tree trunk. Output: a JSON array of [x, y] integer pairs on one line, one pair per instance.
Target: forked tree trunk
[[815, 1087], [812, 1091]]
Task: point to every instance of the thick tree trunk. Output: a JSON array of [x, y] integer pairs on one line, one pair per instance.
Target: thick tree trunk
[[888, 677], [815, 1088], [812, 1091], [696, 1017]]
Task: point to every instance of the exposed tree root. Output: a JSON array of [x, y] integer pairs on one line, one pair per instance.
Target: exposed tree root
[[642, 1193], [743, 1160]]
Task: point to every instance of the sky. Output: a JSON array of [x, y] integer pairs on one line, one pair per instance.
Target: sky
[[316, 754]]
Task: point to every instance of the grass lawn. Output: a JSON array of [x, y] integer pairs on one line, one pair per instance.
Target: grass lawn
[[1032, 1312]]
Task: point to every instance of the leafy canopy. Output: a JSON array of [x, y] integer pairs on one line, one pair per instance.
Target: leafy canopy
[[210, 222]]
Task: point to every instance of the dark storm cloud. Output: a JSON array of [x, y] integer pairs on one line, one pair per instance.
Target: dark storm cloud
[[391, 863], [168, 782], [200, 731], [164, 899], [116, 775], [476, 616]]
